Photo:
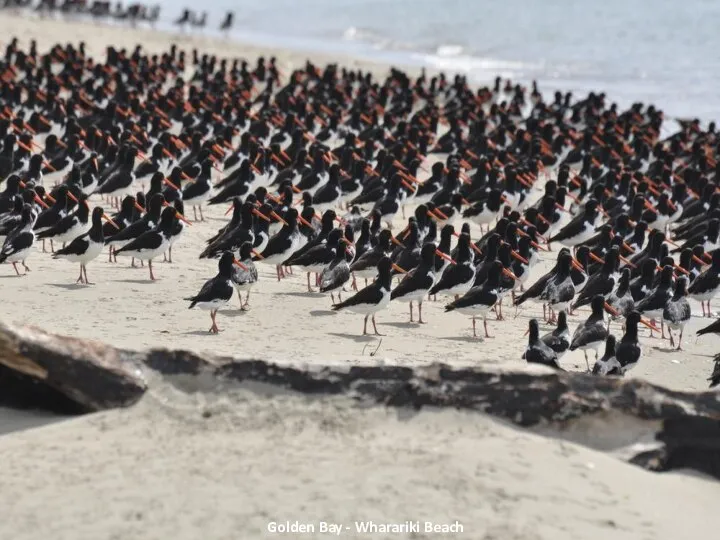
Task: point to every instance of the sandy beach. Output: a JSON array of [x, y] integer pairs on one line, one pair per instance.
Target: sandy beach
[[163, 469], [184, 465], [286, 323]]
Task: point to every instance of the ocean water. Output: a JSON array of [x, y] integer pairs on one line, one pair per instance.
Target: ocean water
[[659, 51]]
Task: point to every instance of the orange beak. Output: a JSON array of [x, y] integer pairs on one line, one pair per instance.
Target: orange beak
[[239, 264], [259, 214], [398, 269], [445, 256], [169, 183], [304, 221], [40, 202], [614, 312], [576, 265], [519, 257], [631, 265], [537, 246], [596, 258], [110, 221], [396, 242], [681, 269], [509, 274], [258, 255], [698, 260], [140, 208], [277, 217]]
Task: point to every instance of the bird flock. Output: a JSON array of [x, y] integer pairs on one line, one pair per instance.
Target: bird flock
[[315, 165]]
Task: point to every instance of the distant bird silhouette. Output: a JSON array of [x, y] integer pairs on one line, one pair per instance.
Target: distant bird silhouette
[[184, 19], [228, 22], [199, 21]]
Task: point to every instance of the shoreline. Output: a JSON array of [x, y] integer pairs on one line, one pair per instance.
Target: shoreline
[[350, 53]]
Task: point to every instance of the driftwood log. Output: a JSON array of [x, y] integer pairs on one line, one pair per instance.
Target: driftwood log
[[42, 370]]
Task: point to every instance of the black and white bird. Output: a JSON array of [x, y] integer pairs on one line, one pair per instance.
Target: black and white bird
[[416, 284], [153, 243], [715, 375], [654, 303], [198, 192], [283, 244], [537, 352], [337, 273], [373, 298], [478, 301], [628, 350], [245, 278], [591, 334], [608, 364], [86, 247], [677, 311], [559, 339], [365, 266], [580, 228], [71, 226], [217, 291], [457, 279], [707, 284], [19, 243]]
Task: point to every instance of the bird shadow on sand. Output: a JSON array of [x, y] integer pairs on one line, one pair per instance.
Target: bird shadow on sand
[[407, 324], [199, 333], [665, 349], [322, 313], [137, 281], [300, 294], [70, 286], [466, 339], [232, 313], [12, 276], [355, 337]]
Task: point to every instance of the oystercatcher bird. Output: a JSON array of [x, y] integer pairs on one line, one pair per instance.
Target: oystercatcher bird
[[458, 278], [152, 243], [284, 243], [479, 300], [416, 284], [337, 273], [199, 191], [365, 266], [71, 226], [677, 311], [559, 339], [715, 375], [537, 352], [245, 278], [608, 364], [318, 256], [217, 291], [560, 289], [712, 328], [602, 282], [86, 247], [373, 298], [581, 228], [146, 223], [654, 303], [19, 243], [228, 21], [628, 351], [621, 299], [592, 333], [706, 285]]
